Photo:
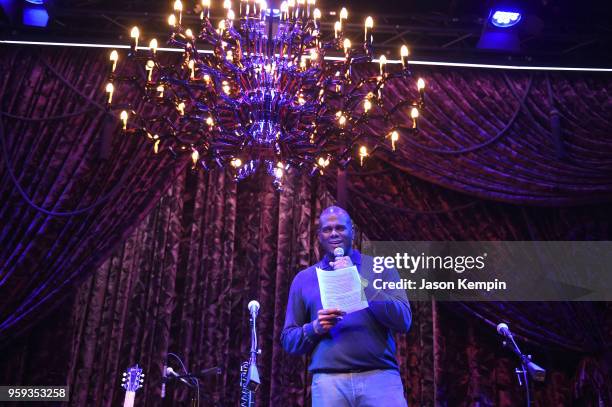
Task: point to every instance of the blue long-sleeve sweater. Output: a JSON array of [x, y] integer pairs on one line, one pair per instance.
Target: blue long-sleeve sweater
[[363, 340]]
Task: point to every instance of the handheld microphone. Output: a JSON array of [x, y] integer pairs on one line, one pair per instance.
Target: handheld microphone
[[164, 379], [338, 252]]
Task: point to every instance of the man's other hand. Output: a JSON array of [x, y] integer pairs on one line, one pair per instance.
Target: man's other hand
[[341, 263], [326, 319]]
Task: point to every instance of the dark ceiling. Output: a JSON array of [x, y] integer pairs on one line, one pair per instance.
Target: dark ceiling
[[564, 32]]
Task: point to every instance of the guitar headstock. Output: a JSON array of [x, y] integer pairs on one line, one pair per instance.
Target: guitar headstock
[[132, 378]]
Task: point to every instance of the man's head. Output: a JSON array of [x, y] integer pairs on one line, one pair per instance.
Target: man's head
[[335, 230]]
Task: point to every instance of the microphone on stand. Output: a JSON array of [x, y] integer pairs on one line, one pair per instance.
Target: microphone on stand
[[164, 379], [536, 372], [252, 379], [170, 372], [253, 309], [503, 330]]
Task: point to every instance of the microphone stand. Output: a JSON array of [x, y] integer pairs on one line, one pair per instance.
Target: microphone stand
[[528, 368], [249, 375]]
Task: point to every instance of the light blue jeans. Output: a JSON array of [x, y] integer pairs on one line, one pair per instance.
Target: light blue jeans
[[374, 388]]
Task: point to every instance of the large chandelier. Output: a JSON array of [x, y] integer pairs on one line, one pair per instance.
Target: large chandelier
[[265, 89]]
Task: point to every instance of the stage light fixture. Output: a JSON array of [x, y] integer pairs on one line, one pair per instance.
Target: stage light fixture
[[505, 19]]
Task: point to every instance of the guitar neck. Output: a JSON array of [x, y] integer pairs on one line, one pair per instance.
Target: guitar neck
[[129, 399]]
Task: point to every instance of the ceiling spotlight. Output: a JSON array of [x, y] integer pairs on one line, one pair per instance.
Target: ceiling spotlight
[[505, 19]]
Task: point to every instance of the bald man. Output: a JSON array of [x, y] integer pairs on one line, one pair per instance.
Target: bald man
[[353, 355]]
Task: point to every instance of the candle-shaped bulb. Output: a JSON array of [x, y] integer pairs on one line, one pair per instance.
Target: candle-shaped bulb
[[227, 4], [363, 153], [420, 84], [367, 105], [160, 90], [153, 46], [236, 162], [156, 147], [110, 89], [209, 121], [124, 118], [195, 156], [316, 14], [189, 33], [414, 113], [178, 6], [181, 108], [347, 46], [394, 138], [172, 20], [114, 57], [135, 33], [343, 14], [383, 62], [337, 28], [191, 66], [369, 24], [404, 55], [149, 68], [206, 4]]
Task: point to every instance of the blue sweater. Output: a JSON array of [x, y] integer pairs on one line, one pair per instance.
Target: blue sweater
[[363, 340]]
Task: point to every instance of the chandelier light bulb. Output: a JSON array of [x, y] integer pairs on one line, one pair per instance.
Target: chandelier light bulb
[[236, 162], [135, 33], [420, 84], [195, 156], [172, 20], [369, 22], [383, 61], [209, 121], [160, 90], [414, 113], [342, 120], [347, 46], [316, 14], [188, 33], [181, 108], [114, 57], [231, 15], [337, 28], [227, 4], [206, 4], [367, 105], [343, 14], [394, 138], [363, 153], [178, 6], [153, 46], [124, 118], [404, 56], [149, 68], [109, 89]]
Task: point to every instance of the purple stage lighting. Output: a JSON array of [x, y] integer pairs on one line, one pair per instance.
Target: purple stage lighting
[[505, 19]]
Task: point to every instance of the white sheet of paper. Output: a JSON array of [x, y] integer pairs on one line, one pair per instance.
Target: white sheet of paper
[[341, 289]]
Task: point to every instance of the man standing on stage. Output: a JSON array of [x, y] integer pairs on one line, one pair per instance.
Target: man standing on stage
[[353, 355]]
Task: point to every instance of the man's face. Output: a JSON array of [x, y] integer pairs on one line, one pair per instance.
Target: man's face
[[335, 230]]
